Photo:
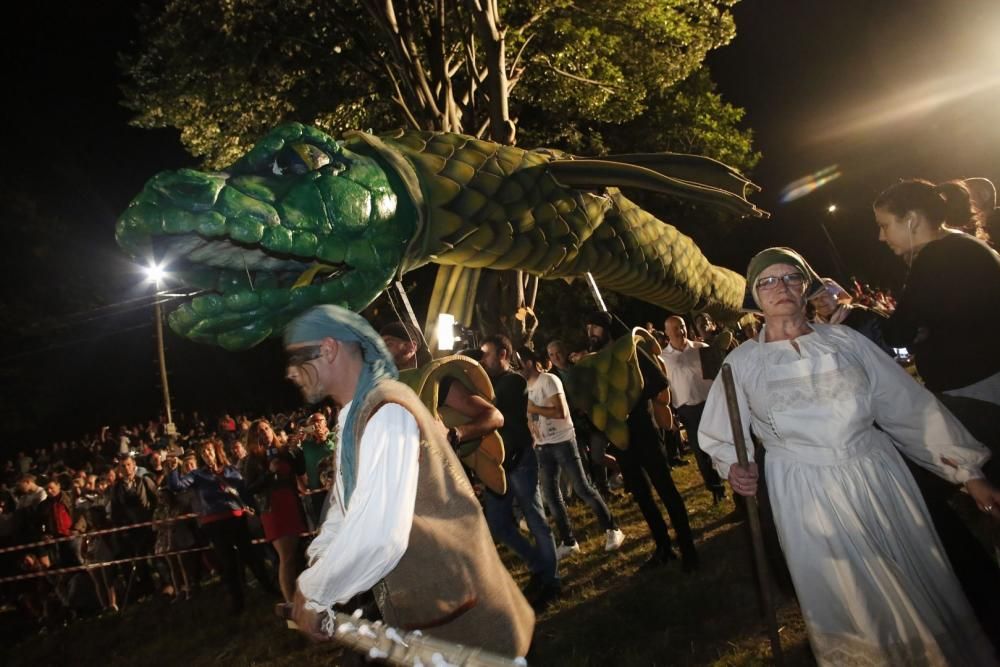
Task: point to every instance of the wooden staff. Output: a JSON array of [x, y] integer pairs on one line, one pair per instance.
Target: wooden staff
[[757, 536]]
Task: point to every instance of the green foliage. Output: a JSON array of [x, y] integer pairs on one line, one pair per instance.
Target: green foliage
[[224, 72], [688, 117], [603, 61], [692, 118]]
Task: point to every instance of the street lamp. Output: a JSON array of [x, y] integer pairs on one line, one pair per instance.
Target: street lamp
[[445, 330], [837, 259], [155, 274]]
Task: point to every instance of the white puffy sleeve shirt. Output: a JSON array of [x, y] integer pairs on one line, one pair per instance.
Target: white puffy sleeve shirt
[[923, 429], [359, 545]]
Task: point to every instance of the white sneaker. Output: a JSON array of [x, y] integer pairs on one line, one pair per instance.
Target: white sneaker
[[614, 540], [564, 550]]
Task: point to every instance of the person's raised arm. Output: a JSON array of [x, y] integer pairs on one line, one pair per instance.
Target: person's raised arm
[[483, 416], [178, 482]]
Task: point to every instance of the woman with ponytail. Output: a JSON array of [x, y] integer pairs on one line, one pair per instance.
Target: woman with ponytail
[[947, 316], [949, 310]]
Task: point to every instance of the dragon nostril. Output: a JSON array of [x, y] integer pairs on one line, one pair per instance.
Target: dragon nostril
[[188, 188]]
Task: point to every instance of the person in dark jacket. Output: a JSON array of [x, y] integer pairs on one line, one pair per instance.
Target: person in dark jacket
[[832, 305], [521, 466], [133, 499], [644, 463], [953, 279], [223, 513], [952, 283]]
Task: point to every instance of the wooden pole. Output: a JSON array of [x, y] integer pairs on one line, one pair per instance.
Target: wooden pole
[[158, 311], [753, 516]]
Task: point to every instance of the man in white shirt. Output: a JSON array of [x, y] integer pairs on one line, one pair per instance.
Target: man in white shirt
[[688, 392], [555, 443], [402, 518]]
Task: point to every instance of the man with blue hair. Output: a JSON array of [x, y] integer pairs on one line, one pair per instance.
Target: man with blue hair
[[402, 518]]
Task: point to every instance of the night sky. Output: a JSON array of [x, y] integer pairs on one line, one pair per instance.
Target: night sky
[[877, 90]]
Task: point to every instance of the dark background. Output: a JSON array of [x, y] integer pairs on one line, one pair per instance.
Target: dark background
[[878, 90]]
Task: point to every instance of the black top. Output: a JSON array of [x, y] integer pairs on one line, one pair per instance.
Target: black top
[[868, 323], [511, 392], [443, 388], [640, 421], [953, 291]]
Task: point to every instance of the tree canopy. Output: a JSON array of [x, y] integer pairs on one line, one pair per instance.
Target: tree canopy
[[577, 74]]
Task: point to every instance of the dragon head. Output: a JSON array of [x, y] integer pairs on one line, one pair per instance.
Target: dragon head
[[299, 220]]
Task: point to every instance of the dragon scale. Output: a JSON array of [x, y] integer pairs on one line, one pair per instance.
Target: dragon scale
[[303, 219]]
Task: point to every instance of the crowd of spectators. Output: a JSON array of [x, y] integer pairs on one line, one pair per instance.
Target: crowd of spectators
[[60, 506]]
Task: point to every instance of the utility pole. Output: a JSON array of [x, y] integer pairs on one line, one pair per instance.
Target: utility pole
[[155, 274], [170, 428]]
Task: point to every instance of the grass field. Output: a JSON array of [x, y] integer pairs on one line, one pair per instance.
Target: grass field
[[609, 613]]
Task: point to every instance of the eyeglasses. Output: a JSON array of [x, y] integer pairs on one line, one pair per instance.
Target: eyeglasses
[[304, 355], [790, 279]]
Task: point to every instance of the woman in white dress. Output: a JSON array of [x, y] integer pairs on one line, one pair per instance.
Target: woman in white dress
[[873, 583]]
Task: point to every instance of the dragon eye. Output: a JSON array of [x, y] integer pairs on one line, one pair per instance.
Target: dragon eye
[[298, 159], [312, 156], [287, 162]]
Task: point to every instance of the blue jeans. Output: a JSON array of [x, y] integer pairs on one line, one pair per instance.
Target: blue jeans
[[522, 486], [565, 457]]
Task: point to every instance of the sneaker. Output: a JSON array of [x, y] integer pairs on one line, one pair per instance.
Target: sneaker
[[616, 482], [614, 539], [567, 549]]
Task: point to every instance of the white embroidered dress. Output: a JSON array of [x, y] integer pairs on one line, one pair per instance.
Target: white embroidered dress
[[872, 579]]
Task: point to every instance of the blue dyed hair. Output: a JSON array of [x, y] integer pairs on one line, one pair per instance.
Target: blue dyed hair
[[345, 325]]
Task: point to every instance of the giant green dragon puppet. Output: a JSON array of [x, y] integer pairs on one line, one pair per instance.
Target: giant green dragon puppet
[[304, 219]]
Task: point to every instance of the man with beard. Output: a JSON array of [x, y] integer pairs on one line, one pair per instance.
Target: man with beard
[[402, 519], [644, 457], [521, 466]]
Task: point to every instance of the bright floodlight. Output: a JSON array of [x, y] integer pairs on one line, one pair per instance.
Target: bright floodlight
[[832, 208], [446, 331], [155, 273]]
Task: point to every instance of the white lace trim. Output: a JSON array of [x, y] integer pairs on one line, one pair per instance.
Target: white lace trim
[[848, 651], [807, 391]]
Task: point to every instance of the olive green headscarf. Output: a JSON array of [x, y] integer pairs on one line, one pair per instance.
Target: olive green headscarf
[[770, 257]]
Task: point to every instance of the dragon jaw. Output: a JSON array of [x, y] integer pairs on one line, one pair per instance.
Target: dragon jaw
[[296, 222]]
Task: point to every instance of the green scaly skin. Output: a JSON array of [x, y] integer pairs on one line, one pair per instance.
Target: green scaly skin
[[303, 219]]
